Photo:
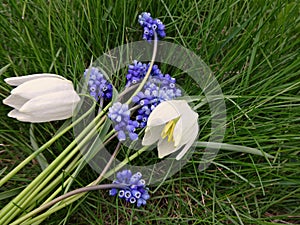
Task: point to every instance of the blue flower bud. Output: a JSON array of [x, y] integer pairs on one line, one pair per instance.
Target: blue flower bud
[[141, 202], [113, 192], [121, 135]]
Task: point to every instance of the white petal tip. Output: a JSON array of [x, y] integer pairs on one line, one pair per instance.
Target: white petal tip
[[16, 81], [19, 116], [178, 157], [4, 101], [160, 156]]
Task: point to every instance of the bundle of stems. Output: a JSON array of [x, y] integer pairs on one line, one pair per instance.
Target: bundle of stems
[[49, 182]]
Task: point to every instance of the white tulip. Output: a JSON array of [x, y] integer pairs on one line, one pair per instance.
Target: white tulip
[[41, 98], [174, 125]]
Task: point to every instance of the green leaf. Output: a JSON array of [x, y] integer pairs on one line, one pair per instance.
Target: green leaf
[[234, 148], [3, 170], [3, 69], [10, 193]]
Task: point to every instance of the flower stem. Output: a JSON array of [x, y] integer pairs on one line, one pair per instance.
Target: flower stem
[[26, 196], [149, 70], [125, 161], [67, 182], [19, 202], [43, 147], [58, 180], [72, 199], [108, 164], [67, 195]]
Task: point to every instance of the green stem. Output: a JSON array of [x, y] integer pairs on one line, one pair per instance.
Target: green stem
[[72, 199], [26, 196], [15, 206], [58, 180], [108, 164], [68, 181], [43, 147], [67, 195], [47, 190], [60, 189], [149, 70]]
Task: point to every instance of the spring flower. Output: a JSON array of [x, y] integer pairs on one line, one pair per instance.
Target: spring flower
[[41, 98], [137, 192], [150, 26], [156, 90], [98, 85], [136, 72], [173, 124], [159, 87], [120, 115]]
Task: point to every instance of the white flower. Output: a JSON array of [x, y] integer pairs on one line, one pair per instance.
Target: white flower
[[41, 98], [174, 125]]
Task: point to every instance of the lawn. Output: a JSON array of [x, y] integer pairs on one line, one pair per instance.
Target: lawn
[[252, 49]]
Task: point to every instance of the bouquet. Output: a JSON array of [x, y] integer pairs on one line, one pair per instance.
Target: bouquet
[[148, 116]]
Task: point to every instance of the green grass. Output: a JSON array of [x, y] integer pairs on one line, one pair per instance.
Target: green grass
[[252, 48]]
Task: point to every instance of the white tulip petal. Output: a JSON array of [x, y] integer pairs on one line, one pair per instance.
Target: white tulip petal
[[16, 81], [163, 113], [61, 114], [183, 129], [189, 134], [51, 103], [33, 118], [46, 117], [165, 148], [152, 134], [15, 114], [189, 143], [25, 117], [55, 112], [15, 101], [37, 87], [178, 132]]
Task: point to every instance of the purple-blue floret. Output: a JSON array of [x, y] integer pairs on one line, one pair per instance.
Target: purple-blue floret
[[136, 191], [98, 86]]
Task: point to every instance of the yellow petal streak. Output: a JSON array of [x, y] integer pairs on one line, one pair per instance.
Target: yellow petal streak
[[169, 129]]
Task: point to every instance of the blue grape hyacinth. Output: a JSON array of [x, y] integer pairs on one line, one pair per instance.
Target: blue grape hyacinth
[[136, 191], [136, 72], [155, 91], [159, 87], [150, 26], [120, 115], [98, 85]]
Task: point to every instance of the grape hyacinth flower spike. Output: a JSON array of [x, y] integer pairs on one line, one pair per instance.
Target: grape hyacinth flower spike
[[159, 88], [120, 115], [98, 86], [150, 26], [136, 191]]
